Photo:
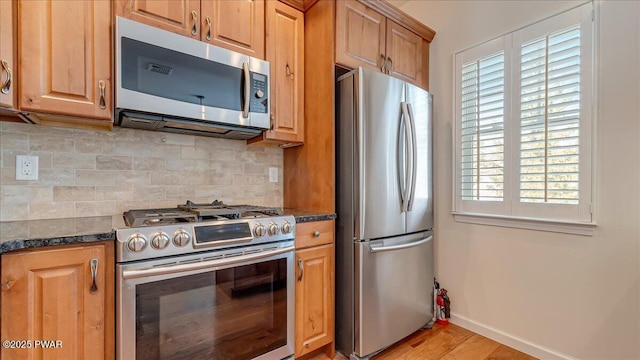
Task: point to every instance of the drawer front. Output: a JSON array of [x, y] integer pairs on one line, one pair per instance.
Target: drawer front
[[314, 233]]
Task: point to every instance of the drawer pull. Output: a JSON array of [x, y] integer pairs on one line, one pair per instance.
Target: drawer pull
[[316, 233]]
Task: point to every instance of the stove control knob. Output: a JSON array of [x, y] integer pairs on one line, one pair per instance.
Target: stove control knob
[[181, 238], [273, 229], [286, 227], [137, 242], [259, 230], [160, 240]]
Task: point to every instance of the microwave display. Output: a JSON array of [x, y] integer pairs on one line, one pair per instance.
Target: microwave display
[[178, 76]]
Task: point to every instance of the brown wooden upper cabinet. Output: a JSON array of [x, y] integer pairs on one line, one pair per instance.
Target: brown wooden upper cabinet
[[366, 38], [285, 52], [7, 59], [234, 25], [65, 58]]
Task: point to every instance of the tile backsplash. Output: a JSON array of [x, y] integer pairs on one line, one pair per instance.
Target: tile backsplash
[[92, 173]]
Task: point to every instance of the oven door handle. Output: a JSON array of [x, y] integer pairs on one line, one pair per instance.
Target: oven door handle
[[176, 269]]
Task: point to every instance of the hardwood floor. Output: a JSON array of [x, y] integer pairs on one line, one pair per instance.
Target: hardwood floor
[[449, 342]]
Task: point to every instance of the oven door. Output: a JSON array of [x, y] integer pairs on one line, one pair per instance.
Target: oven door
[[215, 305]]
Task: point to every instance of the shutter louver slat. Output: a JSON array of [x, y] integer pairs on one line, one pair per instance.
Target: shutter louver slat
[[550, 118]]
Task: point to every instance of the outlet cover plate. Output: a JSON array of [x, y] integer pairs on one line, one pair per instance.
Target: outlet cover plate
[[273, 174], [26, 167]]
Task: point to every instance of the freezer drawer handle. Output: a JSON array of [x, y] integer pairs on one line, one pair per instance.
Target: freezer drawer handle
[[375, 249]]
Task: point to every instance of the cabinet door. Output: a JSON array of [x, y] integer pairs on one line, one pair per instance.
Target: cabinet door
[[360, 34], [178, 16], [235, 25], [47, 295], [404, 54], [65, 57], [314, 298], [285, 52], [7, 59]]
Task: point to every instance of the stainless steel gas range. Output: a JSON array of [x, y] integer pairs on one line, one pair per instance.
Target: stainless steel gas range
[[208, 281]]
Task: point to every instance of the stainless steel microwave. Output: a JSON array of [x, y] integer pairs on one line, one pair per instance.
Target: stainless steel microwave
[[169, 82]]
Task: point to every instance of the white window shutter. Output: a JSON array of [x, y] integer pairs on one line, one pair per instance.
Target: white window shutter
[[482, 137], [550, 118]]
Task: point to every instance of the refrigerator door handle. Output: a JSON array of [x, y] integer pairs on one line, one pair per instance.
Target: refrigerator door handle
[[414, 159], [376, 249], [406, 149], [401, 161]]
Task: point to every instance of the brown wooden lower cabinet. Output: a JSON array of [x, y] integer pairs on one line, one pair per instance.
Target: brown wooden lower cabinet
[[314, 319], [54, 307]]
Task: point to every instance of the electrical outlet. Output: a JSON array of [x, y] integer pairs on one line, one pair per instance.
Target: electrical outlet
[[26, 167], [273, 174]]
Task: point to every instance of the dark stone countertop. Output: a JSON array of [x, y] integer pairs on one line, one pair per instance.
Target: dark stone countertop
[[27, 234], [308, 216]]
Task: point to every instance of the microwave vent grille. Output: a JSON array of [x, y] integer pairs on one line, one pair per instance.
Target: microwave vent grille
[[161, 69]]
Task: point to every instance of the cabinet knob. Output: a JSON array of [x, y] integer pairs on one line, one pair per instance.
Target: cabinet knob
[[8, 284], [316, 233]]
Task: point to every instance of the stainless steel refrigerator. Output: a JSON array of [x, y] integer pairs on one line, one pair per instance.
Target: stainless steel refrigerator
[[384, 242]]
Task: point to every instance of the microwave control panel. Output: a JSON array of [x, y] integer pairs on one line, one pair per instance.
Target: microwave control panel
[[259, 93]]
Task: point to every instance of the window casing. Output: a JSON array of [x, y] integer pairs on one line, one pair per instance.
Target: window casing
[[523, 122]]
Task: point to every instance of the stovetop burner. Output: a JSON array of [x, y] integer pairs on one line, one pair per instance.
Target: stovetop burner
[[193, 212]]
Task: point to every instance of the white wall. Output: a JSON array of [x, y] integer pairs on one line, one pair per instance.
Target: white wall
[[568, 295]]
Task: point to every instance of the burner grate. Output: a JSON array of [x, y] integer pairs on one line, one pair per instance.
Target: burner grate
[[151, 217], [192, 212]]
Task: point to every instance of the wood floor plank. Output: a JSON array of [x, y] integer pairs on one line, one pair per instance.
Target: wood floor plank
[[504, 352], [476, 347], [442, 342], [449, 342]]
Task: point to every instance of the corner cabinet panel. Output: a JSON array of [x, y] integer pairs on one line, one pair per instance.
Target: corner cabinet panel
[[47, 295], [178, 16], [360, 35], [404, 54], [65, 57], [285, 52], [7, 58], [314, 298], [234, 25]]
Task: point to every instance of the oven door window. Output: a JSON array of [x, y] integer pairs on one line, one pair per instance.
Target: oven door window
[[237, 313]]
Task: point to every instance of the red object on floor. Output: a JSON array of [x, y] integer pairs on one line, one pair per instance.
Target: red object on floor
[[443, 322]]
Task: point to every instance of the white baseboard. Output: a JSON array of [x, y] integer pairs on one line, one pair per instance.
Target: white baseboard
[[515, 342]]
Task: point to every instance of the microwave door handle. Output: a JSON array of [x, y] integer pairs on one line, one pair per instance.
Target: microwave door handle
[[247, 90]]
